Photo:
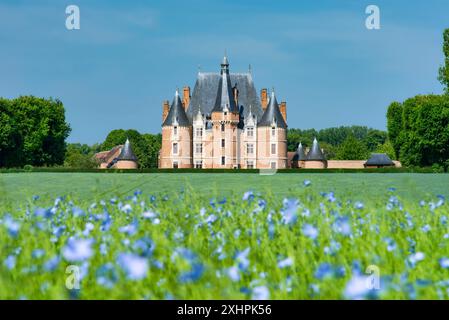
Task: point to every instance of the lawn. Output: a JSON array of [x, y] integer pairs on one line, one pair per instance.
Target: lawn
[[207, 236]]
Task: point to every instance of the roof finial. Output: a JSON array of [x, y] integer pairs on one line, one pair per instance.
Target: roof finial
[[225, 59], [177, 92], [199, 68], [250, 69], [272, 91]]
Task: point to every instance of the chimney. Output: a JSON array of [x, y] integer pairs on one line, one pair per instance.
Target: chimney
[[264, 98], [283, 109], [165, 109], [186, 97]]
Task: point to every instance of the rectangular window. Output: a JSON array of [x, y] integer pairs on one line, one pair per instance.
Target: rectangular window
[[273, 165], [175, 148], [199, 148], [222, 127], [198, 164], [223, 161], [273, 131], [222, 143], [175, 130], [250, 132], [199, 132], [175, 164], [250, 165], [249, 148], [273, 148]]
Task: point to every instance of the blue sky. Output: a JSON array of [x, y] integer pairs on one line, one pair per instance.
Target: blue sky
[[129, 56]]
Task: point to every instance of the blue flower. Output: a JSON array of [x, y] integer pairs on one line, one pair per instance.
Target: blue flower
[[12, 226], [248, 196], [358, 205], [51, 264], [324, 270], [242, 259], [426, 228], [131, 228], [288, 212], [357, 288], [260, 293], [285, 263], [444, 263], [135, 267], [106, 275], [78, 249], [193, 274], [144, 246], [331, 197], [307, 183], [10, 262], [234, 273], [391, 244], [415, 258], [37, 253], [310, 231], [77, 212], [342, 226]]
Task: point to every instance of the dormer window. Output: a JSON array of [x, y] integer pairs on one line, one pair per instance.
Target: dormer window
[[175, 130]]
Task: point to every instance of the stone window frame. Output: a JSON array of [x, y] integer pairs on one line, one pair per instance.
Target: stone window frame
[[273, 148], [250, 148], [175, 148]]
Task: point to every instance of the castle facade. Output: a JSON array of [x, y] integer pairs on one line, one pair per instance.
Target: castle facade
[[224, 124]]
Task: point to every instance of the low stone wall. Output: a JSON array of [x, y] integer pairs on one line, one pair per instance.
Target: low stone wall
[[346, 164]]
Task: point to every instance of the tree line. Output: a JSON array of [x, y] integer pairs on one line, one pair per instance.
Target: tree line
[[418, 128]]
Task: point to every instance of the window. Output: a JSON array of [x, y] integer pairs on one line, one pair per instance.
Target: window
[[222, 143], [175, 148], [175, 130], [175, 164], [199, 148], [250, 165], [199, 132], [273, 165], [249, 148], [273, 131], [223, 161], [273, 148], [222, 127], [198, 164], [250, 132]]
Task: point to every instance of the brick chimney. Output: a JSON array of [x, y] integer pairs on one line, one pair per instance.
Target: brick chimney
[[264, 98], [283, 109], [165, 109], [186, 97]]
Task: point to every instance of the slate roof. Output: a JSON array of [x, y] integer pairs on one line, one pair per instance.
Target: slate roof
[[379, 159], [205, 93], [315, 153], [300, 155], [225, 95], [177, 114], [127, 153], [272, 113]]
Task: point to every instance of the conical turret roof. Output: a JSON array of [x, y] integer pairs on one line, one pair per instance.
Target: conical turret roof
[[127, 153], [176, 115], [272, 114], [315, 153], [300, 155]]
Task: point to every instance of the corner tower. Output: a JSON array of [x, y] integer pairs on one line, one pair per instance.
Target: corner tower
[[176, 149], [272, 137]]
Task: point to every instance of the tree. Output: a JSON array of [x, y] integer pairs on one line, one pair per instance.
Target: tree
[[33, 132], [444, 70], [352, 149], [387, 148], [80, 156], [394, 126]]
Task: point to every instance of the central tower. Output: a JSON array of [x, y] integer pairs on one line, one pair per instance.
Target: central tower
[[225, 122]]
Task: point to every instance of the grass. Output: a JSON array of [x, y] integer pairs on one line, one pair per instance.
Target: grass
[[201, 236]]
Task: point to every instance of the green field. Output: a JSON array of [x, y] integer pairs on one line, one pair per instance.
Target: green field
[[16, 188], [204, 236]]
